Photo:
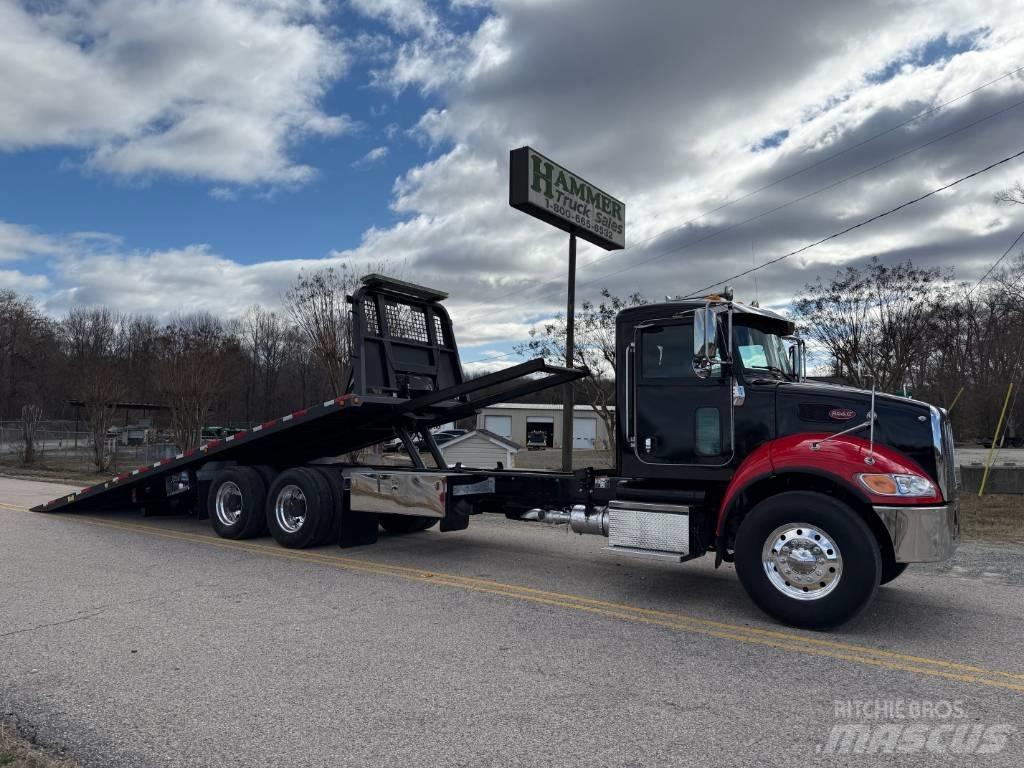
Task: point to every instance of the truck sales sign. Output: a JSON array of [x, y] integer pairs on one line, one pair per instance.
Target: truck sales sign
[[553, 194]]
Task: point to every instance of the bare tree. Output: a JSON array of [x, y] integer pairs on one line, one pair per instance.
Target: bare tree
[[26, 339], [264, 337], [91, 339], [873, 320], [191, 370], [594, 348], [31, 415], [1011, 195], [316, 303], [139, 351]]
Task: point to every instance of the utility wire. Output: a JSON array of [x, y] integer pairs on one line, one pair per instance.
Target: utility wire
[[801, 198], [996, 264], [769, 185], [860, 224], [835, 235]]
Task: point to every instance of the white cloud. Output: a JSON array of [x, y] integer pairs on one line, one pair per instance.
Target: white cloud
[[212, 89], [404, 16], [19, 282], [662, 108], [374, 155], [18, 243]]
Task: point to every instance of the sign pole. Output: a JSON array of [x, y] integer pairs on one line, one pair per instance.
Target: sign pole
[[568, 409]]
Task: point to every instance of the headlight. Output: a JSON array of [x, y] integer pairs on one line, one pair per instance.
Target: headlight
[[898, 485]]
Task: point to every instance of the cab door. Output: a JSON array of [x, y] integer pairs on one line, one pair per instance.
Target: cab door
[[680, 418]]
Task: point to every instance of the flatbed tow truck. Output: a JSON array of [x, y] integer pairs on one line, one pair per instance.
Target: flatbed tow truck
[[817, 493]]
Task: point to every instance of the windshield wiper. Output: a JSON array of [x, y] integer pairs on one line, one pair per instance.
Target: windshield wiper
[[773, 369]]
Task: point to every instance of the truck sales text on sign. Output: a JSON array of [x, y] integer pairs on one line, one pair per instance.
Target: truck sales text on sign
[[561, 198]]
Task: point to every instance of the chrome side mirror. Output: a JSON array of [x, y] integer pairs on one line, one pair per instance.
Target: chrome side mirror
[[705, 342], [702, 367], [798, 359]]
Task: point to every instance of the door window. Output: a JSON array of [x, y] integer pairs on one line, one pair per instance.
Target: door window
[[667, 352]]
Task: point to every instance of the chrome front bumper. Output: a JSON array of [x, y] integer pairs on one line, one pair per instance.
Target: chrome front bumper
[[922, 534]]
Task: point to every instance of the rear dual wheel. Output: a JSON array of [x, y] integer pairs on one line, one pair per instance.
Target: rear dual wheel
[[302, 507], [236, 503]]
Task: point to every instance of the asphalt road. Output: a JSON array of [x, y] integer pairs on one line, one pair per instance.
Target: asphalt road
[[149, 642]]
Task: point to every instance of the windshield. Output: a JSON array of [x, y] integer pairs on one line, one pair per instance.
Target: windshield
[[762, 351]]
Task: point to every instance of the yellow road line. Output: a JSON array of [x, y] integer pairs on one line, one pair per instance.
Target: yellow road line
[[782, 640]]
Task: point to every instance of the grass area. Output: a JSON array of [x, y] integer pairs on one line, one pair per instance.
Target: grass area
[[997, 517], [56, 474], [551, 458], [18, 752]]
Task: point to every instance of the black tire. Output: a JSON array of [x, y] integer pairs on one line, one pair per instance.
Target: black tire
[[242, 496], [891, 570], [399, 524], [269, 474], [858, 562], [307, 520], [337, 484]]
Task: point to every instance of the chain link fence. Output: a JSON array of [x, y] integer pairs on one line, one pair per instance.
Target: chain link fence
[[60, 446]]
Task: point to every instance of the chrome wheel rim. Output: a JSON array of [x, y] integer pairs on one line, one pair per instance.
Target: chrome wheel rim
[[228, 504], [802, 561], [290, 509]]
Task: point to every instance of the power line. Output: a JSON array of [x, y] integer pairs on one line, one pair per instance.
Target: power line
[[801, 198], [858, 225], [840, 233], [769, 185], [996, 264]]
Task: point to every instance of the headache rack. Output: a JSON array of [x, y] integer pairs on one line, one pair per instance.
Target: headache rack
[[406, 378]]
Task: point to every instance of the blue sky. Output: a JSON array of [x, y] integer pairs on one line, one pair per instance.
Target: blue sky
[[169, 157], [332, 211]]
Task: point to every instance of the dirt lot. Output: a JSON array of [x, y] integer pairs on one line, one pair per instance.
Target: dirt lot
[[993, 518], [17, 752]]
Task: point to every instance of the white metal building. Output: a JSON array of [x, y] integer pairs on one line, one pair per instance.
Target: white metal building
[[480, 448], [516, 420]]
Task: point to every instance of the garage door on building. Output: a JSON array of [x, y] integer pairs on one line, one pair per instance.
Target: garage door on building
[[584, 433], [499, 425]]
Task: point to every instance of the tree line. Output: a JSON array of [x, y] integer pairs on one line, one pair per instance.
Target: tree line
[[202, 368], [903, 328]]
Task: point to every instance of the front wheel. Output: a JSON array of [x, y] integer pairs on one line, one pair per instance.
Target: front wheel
[[807, 559]]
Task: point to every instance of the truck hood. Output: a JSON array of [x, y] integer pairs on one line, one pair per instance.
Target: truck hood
[[902, 423]]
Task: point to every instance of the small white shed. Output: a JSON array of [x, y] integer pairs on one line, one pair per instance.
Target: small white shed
[[480, 448]]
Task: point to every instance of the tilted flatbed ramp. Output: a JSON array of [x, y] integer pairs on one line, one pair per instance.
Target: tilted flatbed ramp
[[406, 378]]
